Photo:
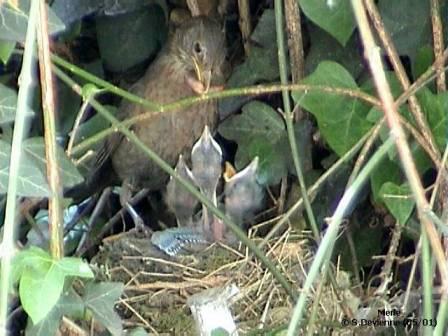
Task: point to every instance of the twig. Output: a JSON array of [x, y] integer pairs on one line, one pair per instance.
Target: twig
[[312, 191], [245, 23], [54, 204], [327, 243], [134, 200], [374, 59], [437, 37], [423, 79], [295, 42], [400, 72], [278, 5]]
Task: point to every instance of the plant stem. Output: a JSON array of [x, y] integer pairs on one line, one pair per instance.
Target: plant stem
[[373, 56], [326, 245], [54, 204], [20, 126], [278, 5]]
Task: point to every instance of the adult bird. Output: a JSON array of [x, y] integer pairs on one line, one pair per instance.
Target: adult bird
[[192, 62]]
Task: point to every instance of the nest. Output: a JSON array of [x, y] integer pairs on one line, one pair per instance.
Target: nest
[[157, 286]]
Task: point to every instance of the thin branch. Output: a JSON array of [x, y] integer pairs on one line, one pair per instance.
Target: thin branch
[[245, 23], [400, 72], [437, 37], [54, 205], [373, 57], [278, 5], [247, 91]]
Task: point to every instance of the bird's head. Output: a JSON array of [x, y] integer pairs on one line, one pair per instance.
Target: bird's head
[[199, 46]]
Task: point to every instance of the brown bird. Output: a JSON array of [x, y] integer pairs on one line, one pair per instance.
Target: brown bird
[[193, 61]]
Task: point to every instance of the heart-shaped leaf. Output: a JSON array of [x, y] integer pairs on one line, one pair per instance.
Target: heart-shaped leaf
[[8, 104], [31, 180], [100, 298], [119, 37], [342, 120], [398, 199], [408, 22], [258, 130], [333, 16], [14, 21], [35, 149]]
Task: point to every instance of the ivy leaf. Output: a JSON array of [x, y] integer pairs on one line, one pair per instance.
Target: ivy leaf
[[74, 267], [42, 280], [387, 171], [435, 108], [333, 16], [14, 22], [398, 199], [31, 180], [408, 23], [120, 36], [41, 283], [258, 130], [6, 49], [100, 298], [260, 65], [69, 304], [325, 48], [220, 332], [342, 120], [8, 104], [35, 149]]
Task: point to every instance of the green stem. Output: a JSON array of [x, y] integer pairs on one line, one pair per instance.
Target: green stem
[[187, 185], [327, 243], [23, 101], [289, 116]]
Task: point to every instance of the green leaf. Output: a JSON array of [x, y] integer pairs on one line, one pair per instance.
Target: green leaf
[[137, 332], [398, 199], [42, 280], [74, 267], [333, 16], [264, 33], [423, 60], [40, 283], [14, 22], [8, 104], [220, 332], [342, 120], [120, 36], [260, 65], [35, 149], [262, 62], [369, 241], [325, 48], [31, 181], [69, 304], [408, 23], [258, 130], [387, 171], [257, 119], [435, 108], [100, 298], [6, 49]]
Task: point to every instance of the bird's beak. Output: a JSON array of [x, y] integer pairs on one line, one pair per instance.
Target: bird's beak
[[203, 77]]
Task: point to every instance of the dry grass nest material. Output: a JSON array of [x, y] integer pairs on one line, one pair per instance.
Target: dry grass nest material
[[157, 286]]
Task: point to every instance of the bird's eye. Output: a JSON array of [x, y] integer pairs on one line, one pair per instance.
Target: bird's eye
[[197, 47]]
